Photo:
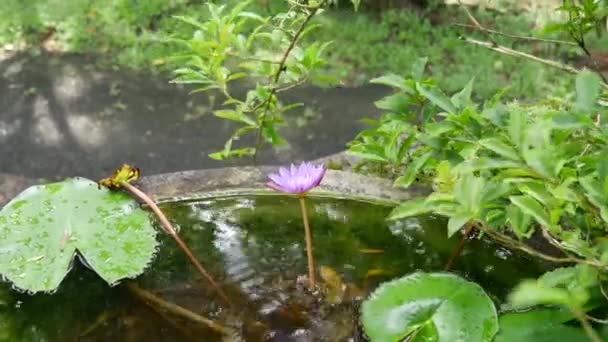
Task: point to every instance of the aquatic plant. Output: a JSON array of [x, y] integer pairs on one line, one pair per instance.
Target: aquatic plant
[[429, 307], [121, 179], [298, 180], [46, 226]]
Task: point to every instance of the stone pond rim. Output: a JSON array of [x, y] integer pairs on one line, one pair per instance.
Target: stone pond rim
[[242, 180], [250, 180], [238, 181]]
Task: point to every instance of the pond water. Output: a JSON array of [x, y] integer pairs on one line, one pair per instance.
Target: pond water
[[254, 247]]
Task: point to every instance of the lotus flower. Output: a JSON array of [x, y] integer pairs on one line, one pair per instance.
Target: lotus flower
[[297, 179]]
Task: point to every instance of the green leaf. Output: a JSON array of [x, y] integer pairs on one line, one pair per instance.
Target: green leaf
[[463, 98], [570, 277], [588, 86], [530, 206], [541, 325], [497, 146], [356, 4], [394, 81], [517, 128], [544, 161], [595, 194], [469, 192], [412, 170], [44, 227], [457, 221], [437, 98], [410, 208], [520, 222], [234, 115], [438, 306], [397, 103], [418, 67], [538, 191], [530, 293], [368, 152]]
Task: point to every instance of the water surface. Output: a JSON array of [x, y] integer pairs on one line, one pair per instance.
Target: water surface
[[254, 247]]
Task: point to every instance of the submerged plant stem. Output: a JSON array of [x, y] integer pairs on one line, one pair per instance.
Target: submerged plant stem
[[308, 237], [149, 298], [171, 231], [459, 248]]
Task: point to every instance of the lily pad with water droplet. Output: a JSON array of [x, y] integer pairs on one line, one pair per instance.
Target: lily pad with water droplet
[[429, 307], [44, 227]]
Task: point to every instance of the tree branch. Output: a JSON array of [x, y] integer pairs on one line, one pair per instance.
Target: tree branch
[[508, 51], [515, 36]]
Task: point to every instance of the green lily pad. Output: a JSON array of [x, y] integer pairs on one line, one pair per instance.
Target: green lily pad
[[44, 227], [430, 307]]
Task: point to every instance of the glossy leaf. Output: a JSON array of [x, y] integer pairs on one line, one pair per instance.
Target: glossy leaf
[[437, 306], [541, 325], [44, 227]]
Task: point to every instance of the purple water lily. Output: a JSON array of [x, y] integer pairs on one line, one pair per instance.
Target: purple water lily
[[297, 179]]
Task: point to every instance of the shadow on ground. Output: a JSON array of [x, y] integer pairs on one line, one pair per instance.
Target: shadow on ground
[[61, 115]]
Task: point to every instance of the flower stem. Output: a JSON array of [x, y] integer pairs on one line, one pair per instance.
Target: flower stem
[[171, 231], [308, 236]]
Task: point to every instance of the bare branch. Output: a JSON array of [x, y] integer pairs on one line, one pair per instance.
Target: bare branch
[[515, 36], [508, 51]]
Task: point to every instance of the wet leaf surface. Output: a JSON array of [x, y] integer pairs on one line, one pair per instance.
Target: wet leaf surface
[[46, 226]]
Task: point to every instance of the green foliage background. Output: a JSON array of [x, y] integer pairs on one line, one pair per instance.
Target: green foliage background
[[368, 44]]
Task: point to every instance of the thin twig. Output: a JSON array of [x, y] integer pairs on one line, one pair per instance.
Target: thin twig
[[603, 291], [470, 15], [253, 58], [309, 250], [511, 52], [173, 233], [277, 75], [508, 51], [592, 334], [512, 243], [292, 85], [596, 320], [149, 298], [580, 42], [515, 36]]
